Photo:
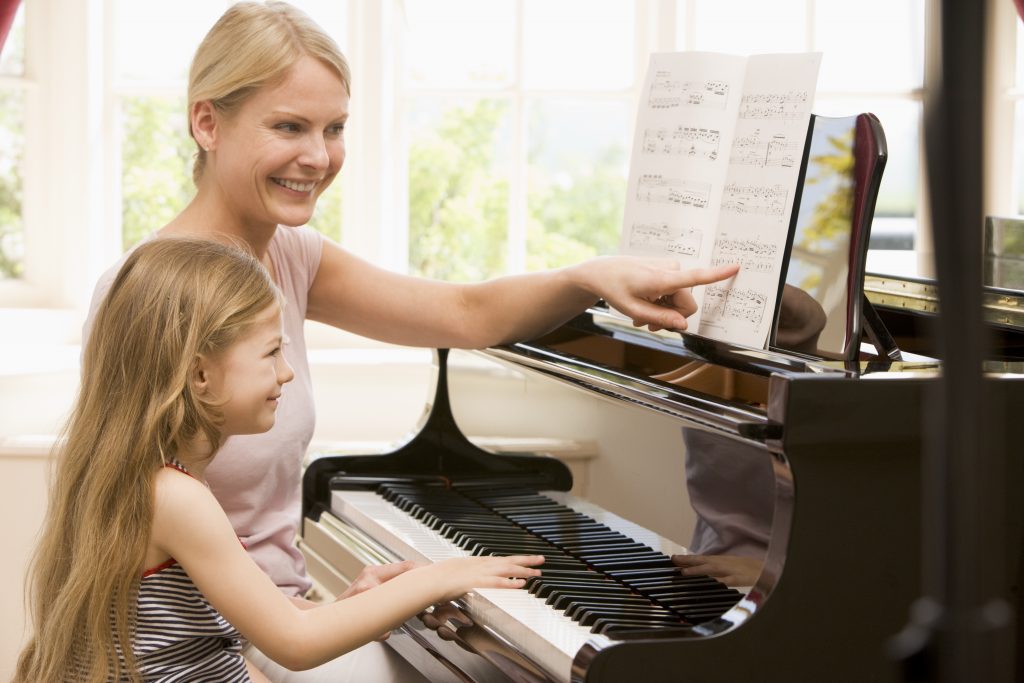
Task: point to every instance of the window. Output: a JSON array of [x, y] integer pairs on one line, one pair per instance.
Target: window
[[517, 115], [1016, 97], [13, 88]]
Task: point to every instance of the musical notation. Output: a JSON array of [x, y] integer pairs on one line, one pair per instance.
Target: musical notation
[[668, 93], [752, 254], [682, 141], [656, 189], [715, 165], [739, 304], [775, 105], [759, 200], [777, 151], [662, 238]]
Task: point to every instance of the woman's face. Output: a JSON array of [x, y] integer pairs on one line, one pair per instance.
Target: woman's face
[[282, 148]]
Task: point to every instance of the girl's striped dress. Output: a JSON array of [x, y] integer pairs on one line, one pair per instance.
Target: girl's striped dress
[[179, 636]]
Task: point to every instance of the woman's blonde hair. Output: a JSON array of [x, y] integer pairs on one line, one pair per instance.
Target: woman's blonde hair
[[172, 300], [250, 46]]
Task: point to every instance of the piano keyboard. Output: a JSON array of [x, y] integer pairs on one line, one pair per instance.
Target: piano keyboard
[[598, 584]]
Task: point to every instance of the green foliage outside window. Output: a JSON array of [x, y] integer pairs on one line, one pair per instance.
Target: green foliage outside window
[[11, 224], [458, 202], [156, 171], [327, 217], [458, 205], [12, 154], [571, 222]]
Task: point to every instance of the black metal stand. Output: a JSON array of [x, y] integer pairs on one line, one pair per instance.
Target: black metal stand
[[960, 630]]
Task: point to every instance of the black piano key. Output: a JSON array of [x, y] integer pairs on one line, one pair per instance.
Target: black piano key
[[676, 580], [710, 612], [581, 574], [654, 562], [618, 555], [544, 589], [576, 607], [682, 604], [601, 623], [684, 593], [566, 601], [629, 574], [585, 540], [591, 617], [641, 631], [577, 542], [563, 528]]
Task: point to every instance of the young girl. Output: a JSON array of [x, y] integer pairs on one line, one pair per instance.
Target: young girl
[[139, 574]]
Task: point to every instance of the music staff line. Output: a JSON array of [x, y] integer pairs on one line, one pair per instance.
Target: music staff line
[[682, 141], [662, 238], [788, 105], [654, 188], [753, 255], [742, 305], [761, 200], [667, 92], [777, 151]]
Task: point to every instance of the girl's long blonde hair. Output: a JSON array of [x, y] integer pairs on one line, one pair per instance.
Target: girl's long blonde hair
[[251, 46], [172, 300]]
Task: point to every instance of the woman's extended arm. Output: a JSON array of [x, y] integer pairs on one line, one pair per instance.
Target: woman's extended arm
[[355, 295], [191, 527]]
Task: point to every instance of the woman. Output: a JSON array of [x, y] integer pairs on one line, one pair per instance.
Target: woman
[[268, 103]]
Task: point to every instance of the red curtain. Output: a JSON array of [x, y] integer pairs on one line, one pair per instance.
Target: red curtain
[[1020, 7], [8, 8]]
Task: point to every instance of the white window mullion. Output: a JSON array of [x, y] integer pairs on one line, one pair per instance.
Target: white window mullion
[[691, 25], [518, 210], [375, 222], [655, 31], [63, 177], [108, 241], [810, 37], [1000, 98]]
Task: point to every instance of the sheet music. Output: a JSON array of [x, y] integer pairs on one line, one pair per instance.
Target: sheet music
[[715, 165]]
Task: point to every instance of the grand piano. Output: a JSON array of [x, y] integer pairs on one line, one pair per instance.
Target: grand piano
[[835, 403]]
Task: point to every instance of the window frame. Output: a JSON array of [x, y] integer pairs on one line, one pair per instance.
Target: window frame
[[1002, 95]]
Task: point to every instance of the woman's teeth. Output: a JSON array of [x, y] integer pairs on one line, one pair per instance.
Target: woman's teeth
[[293, 185]]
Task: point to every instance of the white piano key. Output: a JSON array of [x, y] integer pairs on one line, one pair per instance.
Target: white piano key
[[545, 635]]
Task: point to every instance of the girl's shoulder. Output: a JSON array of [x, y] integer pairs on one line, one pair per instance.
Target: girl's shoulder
[[186, 516], [179, 495]]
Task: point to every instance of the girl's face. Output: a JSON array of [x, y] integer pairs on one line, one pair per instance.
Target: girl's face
[[247, 377], [274, 157]]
